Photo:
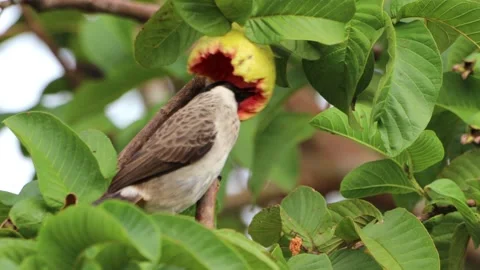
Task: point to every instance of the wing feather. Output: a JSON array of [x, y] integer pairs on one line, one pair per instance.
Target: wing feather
[[183, 139]]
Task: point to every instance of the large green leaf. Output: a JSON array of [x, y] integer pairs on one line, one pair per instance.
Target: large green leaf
[[336, 122], [16, 250], [103, 151], [336, 74], [110, 256], [301, 48], [446, 189], [408, 91], [163, 38], [310, 262], [321, 21], [400, 242], [65, 236], [346, 259], [451, 237], [235, 11], [446, 19], [141, 229], [186, 243], [7, 200], [458, 96], [463, 168], [63, 162], [203, 15], [460, 49], [304, 213], [255, 255], [266, 226], [282, 133], [353, 208], [426, 151], [28, 215], [376, 177], [92, 97], [107, 41]]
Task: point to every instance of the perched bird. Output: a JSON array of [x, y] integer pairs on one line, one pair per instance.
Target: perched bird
[[177, 165]]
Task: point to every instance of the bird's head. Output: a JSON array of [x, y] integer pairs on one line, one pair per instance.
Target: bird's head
[[248, 68]]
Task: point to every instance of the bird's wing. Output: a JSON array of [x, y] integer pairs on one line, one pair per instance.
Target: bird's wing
[[184, 138]]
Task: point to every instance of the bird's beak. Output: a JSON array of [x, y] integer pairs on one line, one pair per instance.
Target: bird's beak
[[242, 94]]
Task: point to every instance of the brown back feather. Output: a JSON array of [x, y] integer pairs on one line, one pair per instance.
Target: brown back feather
[[183, 139]]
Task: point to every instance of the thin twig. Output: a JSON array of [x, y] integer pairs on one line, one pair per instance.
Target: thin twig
[[38, 29], [134, 10], [206, 206]]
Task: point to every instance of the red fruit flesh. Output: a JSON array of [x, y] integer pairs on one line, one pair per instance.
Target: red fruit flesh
[[218, 67]]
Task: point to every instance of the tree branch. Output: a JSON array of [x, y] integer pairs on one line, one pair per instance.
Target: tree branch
[[38, 29], [206, 206], [134, 10]]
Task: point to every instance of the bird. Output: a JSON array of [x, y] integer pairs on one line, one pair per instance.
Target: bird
[[179, 162]]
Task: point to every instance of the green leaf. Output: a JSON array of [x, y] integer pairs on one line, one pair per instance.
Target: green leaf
[[336, 122], [446, 19], [460, 49], [321, 21], [7, 200], [65, 236], [346, 230], [255, 255], [408, 91], [16, 250], [376, 177], [446, 189], [113, 256], [33, 263], [301, 48], [281, 61], [463, 168], [310, 262], [353, 208], [92, 97], [7, 264], [63, 162], [304, 213], [235, 11], [451, 237], [163, 38], [142, 231], [107, 41], [266, 226], [347, 259], [278, 255], [30, 190], [337, 73], [283, 132], [426, 151], [203, 15], [186, 243], [28, 215], [103, 150], [400, 242], [457, 96]]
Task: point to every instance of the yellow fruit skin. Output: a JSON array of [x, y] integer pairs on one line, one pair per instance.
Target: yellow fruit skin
[[253, 64]]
